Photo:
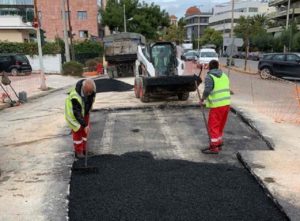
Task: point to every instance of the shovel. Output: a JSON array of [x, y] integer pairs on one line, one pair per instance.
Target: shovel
[[86, 169]]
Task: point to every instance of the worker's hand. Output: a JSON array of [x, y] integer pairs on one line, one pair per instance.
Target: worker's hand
[[202, 102], [87, 129]]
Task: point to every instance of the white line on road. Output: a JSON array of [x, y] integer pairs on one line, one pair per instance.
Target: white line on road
[[107, 137], [170, 135]]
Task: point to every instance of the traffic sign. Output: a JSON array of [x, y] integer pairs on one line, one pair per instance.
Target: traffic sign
[[231, 50], [235, 41]]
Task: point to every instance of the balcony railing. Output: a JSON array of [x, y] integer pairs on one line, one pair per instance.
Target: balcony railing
[[16, 2], [277, 2]]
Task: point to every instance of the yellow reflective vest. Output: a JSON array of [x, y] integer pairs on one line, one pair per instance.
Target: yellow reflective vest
[[220, 95], [69, 115]]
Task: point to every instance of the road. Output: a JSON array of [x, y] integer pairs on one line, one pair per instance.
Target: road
[[149, 160]]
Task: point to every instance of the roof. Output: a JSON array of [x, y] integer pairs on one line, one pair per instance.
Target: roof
[[173, 17], [194, 10]]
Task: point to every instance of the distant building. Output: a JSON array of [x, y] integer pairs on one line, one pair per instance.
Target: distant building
[[222, 13], [83, 16], [22, 8], [279, 17], [196, 22], [13, 29], [173, 20]]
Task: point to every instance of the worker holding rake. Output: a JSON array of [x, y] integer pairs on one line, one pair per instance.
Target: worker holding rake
[[216, 96], [77, 108]]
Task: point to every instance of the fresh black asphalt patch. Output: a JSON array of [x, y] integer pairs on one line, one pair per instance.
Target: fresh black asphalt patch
[[107, 85], [135, 186], [143, 178]]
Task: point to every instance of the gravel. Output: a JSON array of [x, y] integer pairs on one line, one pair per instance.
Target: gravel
[[135, 186]]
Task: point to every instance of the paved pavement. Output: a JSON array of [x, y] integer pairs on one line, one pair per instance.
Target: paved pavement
[[278, 170]]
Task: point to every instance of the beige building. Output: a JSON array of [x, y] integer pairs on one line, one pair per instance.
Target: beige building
[[13, 29]]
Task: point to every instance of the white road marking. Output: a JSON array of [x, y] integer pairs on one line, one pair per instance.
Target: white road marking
[[107, 137], [170, 135]]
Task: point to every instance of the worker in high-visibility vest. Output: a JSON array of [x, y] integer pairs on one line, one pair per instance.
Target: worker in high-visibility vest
[[78, 105], [216, 96]]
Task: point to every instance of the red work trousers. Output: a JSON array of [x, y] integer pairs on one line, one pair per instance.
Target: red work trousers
[[80, 138], [216, 122]]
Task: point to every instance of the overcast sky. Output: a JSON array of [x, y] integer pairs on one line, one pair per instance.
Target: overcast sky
[[178, 7]]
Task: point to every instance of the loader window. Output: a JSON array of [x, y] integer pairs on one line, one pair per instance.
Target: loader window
[[161, 57]]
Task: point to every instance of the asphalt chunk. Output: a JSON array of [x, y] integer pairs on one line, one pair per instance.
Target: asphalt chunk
[[135, 186], [107, 85]]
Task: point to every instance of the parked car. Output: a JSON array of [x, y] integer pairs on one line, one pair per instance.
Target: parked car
[[14, 64], [255, 56], [190, 56], [282, 65], [205, 56]]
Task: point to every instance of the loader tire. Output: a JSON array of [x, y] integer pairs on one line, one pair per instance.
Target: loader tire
[[137, 87], [183, 96], [143, 96]]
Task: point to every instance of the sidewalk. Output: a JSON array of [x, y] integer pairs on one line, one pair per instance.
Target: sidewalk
[[278, 171]]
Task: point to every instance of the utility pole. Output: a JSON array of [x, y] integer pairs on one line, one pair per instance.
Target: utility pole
[[231, 36], [67, 49], [70, 32], [287, 22], [125, 29], [38, 36]]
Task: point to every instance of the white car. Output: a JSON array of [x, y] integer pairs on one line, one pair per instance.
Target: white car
[[205, 56]]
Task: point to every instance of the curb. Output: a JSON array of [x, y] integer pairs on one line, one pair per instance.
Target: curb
[[261, 184], [239, 70]]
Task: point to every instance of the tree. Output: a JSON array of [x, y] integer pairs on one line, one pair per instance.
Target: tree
[[145, 19], [245, 27], [175, 33], [211, 36]]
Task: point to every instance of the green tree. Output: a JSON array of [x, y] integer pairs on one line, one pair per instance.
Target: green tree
[[146, 19], [175, 33], [211, 36], [244, 29]]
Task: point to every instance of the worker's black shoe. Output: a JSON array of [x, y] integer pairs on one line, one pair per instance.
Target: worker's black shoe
[[220, 146], [210, 150], [79, 155]]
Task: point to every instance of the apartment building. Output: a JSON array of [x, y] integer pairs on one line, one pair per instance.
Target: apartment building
[[196, 22], [283, 16], [23, 8], [13, 29], [83, 18], [222, 13]]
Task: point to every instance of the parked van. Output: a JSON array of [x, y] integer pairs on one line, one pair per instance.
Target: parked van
[[205, 56]]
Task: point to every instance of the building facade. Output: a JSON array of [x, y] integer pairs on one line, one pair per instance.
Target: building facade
[[173, 20], [13, 29], [83, 18], [196, 22], [23, 8], [222, 13], [283, 17]]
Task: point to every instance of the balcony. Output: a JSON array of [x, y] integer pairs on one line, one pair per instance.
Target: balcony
[[277, 2], [16, 3]]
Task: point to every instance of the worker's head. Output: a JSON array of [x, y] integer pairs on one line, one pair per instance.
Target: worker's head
[[213, 64], [88, 87]]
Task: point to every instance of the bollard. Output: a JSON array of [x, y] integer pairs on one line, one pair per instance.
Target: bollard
[[22, 96]]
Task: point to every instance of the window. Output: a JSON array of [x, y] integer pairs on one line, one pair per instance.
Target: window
[[278, 57], [82, 15], [292, 57], [83, 34], [253, 9]]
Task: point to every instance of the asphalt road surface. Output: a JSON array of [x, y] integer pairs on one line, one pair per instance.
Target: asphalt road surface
[[151, 168]]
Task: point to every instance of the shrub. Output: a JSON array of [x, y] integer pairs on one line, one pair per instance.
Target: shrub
[[72, 68], [91, 63]]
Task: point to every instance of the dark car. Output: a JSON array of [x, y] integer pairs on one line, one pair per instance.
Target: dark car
[[190, 56], [14, 64], [282, 65]]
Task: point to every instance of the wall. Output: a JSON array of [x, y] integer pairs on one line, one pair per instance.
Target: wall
[[52, 63], [11, 35]]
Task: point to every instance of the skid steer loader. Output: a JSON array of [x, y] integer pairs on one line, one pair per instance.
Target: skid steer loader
[[159, 73]]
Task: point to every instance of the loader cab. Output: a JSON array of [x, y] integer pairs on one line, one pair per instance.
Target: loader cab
[[163, 58]]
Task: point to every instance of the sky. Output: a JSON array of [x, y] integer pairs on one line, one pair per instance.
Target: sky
[[179, 7]]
